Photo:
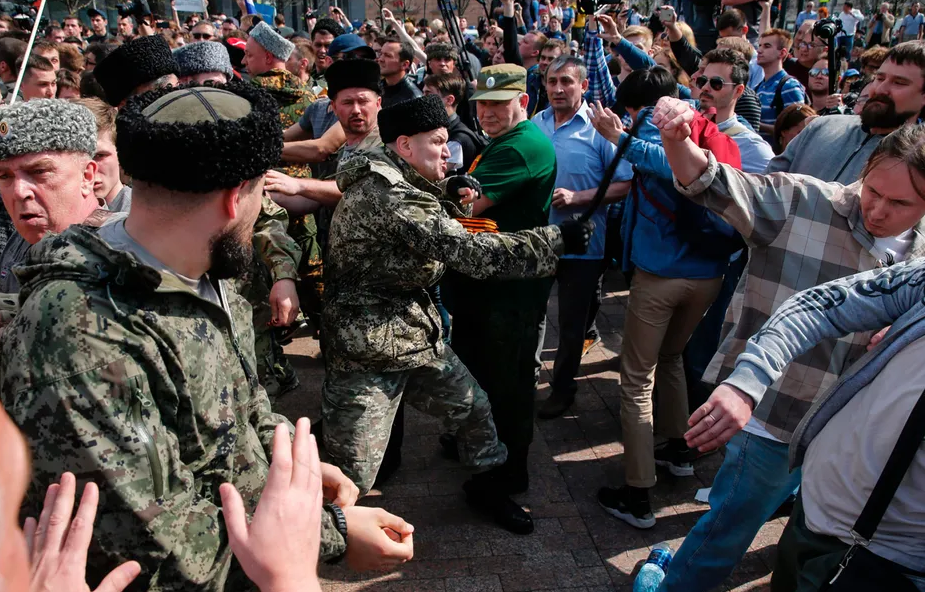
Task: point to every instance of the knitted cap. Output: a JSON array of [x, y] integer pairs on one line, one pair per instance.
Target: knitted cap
[[411, 117], [352, 74], [202, 57], [46, 125], [139, 61], [199, 139], [272, 41]]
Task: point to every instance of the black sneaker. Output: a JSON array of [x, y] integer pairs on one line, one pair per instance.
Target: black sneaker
[[677, 457], [621, 504]]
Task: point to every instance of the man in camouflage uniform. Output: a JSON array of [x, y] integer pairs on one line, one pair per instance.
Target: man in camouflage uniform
[[265, 58], [391, 238], [131, 363]]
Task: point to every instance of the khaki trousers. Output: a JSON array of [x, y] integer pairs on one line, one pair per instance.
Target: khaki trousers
[[661, 316]]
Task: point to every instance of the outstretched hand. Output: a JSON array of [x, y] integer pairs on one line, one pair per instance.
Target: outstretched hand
[[279, 549], [606, 122], [719, 419], [58, 545]]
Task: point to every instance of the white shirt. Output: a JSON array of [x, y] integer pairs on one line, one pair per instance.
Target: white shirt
[[844, 461], [849, 21], [893, 249]]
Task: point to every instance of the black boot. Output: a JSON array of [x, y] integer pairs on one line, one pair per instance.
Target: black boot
[[555, 405], [484, 494]]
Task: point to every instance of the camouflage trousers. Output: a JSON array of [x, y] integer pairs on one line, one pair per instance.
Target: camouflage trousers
[[273, 368], [358, 409]]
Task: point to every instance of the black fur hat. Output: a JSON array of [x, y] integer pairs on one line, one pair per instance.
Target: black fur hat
[[199, 139], [345, 74], [411, 117], [139, 61]]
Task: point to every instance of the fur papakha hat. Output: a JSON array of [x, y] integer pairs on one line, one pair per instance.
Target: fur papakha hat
[[346, 74], [441, 50], [272, 41], [46, 125], [202, 57], [414, 116], [199, 139], [139, 61]]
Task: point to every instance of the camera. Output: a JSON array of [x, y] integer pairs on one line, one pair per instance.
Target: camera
[[827, 28], [135, 8]]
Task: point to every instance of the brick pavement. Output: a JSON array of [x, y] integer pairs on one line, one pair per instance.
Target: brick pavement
[[576, 545]]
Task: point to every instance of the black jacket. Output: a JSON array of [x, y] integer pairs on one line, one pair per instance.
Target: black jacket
[[403, 91]]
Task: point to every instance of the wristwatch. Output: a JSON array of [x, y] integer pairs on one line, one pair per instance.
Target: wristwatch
[[340, 523]]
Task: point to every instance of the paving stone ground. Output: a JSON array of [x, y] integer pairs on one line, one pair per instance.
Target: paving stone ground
[[576, 546]]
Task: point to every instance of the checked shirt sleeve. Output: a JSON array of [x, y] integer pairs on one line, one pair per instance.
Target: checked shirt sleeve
[[600, 84]]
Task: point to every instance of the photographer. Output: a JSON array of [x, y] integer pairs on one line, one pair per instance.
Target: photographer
[[850, 17], [880, 27]]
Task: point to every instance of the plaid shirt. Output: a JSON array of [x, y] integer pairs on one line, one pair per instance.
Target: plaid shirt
[[801, 232], [600, 84]]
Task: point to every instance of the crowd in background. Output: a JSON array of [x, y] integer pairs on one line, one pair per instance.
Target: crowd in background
[[739, 176]]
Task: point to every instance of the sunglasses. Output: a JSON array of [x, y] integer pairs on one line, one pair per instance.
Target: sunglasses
[[716, 82], [202, 36], [818, 72]]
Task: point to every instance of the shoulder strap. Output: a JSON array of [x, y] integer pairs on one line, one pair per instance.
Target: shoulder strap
[[893, 472], [778, 102], [734, 130]]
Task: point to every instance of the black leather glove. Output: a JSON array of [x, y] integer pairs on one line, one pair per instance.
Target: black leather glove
[[454, 184], [576, 236]]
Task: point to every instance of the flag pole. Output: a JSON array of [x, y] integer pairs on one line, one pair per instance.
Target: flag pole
[[25, 57]]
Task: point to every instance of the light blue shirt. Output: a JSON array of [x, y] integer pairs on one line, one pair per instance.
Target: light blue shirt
[[804, 16], [582, 157], [755, 73], [755, 152]]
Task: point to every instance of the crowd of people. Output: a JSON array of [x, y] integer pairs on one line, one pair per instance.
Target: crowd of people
[[182, 200]]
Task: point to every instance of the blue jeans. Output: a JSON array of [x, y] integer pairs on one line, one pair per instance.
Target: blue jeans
[[751, 484]]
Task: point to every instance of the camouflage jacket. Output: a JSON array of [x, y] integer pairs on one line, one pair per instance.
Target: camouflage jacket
[[293, 97], [125, 376], [273, 244], [391, 237]]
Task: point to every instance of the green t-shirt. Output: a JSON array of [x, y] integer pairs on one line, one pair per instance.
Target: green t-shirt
[[518, 173]]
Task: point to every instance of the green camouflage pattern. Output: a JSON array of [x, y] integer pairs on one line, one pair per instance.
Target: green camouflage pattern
[[293, 96], [358, 410], [278, 258], [392, 237], [124, 376]]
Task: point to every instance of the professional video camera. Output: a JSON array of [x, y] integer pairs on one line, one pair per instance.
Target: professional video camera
[[134, 8], [828, 29]]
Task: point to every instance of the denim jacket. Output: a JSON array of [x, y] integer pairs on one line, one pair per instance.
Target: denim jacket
[[663, 232]]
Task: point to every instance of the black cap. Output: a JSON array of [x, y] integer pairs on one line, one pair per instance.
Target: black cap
[[92, 12], [346, 74], [411, 117]]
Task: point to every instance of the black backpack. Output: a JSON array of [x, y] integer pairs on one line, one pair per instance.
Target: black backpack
[[778, 103]]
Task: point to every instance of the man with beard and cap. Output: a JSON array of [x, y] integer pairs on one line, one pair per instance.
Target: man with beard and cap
[[800, 232], [46, 174], [131, 362], [392, 236], [896, 98], [265, 58], [203, 62], [140, 65]]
